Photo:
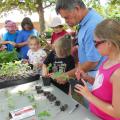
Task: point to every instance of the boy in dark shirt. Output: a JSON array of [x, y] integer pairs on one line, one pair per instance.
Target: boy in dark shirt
[[60, 60]]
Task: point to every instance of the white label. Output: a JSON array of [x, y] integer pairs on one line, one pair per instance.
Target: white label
[[22, 113]]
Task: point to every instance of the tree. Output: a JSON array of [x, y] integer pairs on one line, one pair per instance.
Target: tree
[[113, 9], [28, 5], [110, 10]]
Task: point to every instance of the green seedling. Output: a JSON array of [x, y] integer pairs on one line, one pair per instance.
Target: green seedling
[[6, 56], [59, 74], [14, 70], [43, 41], [22, 93], [35, 105], [49, 67], [11, 103], [44, 114], [31, 98]]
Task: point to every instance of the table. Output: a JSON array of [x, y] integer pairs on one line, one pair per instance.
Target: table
[[12, 98]]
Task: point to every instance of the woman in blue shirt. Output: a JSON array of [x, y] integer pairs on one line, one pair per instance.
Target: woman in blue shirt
[[24, 34]]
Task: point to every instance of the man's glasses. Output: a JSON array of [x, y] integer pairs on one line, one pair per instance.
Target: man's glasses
[[97, 43]]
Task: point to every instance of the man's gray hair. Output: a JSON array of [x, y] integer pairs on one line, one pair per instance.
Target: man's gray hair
[[68, 4]]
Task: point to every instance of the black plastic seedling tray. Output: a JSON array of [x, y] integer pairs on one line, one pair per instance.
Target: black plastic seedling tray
[[9, 83]]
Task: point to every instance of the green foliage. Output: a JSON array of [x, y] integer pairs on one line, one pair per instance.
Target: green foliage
[[22, 93], [49, 67], [31, 98], [11, 103], [14, 69], [48, 34], [113, 11], [110, 10], [61, 75], [57, 74], [6, 56], [35, 105], [6, 5], [26, 5], [43, 40], [44, 114]]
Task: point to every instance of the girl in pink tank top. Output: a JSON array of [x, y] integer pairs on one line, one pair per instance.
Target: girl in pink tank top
[[105, 97]]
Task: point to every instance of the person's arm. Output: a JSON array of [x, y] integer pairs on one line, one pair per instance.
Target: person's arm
[[9, 42], [46, 63], [110, 109], [89, 79], [91, 53], [87, 66], [82, 75], [44, 70], [82, 67], [21, 44], [5, 42], [71, 73]]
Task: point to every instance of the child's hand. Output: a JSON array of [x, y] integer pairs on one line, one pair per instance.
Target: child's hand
[[60, 81], [60, 78], [83, 90], [46, 74], [79, 73], [25, 61], [50, 74]]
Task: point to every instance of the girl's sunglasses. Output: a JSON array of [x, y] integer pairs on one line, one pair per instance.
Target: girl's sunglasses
[[97, 43]]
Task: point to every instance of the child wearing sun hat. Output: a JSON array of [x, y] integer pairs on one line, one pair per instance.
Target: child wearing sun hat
[[58, 29]]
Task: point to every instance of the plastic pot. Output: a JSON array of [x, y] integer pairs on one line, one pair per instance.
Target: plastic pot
[[73, 82], [46, 81]]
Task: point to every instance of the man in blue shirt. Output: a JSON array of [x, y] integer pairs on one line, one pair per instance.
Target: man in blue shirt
[[75, 13], [87, 51], [10, 37]]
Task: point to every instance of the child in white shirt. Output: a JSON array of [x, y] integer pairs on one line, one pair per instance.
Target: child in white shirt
[[36, 55]]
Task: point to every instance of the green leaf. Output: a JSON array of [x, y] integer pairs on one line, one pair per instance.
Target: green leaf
[[22, 93], [6, 56], [31, 98], [44, 114]]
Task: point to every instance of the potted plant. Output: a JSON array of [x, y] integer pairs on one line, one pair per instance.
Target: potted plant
[[47, 80], [15, 73]]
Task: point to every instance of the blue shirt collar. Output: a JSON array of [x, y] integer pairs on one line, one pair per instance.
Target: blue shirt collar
[[87, 17]]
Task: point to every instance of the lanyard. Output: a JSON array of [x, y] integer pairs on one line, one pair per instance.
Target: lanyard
[[76, 34]]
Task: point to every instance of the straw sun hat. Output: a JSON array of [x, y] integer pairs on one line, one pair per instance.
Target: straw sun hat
[[56, 21]]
